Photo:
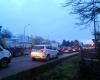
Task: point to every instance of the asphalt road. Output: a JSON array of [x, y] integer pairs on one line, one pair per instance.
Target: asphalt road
[[23, 63]]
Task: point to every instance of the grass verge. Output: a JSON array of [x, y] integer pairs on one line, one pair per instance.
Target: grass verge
[[66, 70]]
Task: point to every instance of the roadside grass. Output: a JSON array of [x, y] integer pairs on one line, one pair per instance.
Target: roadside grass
[[66, 70]]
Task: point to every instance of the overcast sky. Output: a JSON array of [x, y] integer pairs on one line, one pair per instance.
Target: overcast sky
[[47, 18]]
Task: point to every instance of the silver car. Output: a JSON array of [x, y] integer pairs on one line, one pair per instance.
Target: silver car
[[45, 52]]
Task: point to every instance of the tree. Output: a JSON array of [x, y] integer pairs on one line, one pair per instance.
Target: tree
[[3, 35], [6, 33], [65, 43], [38, 39], [77, 43], [0, 28], [33, 42], [86, 9], [72, 43]]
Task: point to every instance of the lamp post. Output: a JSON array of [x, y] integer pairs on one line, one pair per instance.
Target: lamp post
[[25, 34]]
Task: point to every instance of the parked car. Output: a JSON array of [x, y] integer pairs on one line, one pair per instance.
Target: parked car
[[45, 52], [5, 57], [75, 49], [65, 49]]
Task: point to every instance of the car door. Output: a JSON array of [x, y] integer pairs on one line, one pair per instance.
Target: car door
[[54, 51], [49, 50]]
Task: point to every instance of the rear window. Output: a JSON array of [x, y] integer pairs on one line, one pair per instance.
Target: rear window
[[38, 47], [48, 47]]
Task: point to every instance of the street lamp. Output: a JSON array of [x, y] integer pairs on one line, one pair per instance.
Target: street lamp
[[25, 34]]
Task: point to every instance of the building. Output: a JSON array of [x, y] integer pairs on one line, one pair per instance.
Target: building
[[19, 41]]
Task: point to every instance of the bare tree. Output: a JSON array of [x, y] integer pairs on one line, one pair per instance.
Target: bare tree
[[4, 34], [86, 9]]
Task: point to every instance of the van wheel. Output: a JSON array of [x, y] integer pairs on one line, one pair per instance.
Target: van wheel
[[3, 63], [48, 58]]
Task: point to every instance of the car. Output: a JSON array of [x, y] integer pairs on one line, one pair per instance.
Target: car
[[5, 57], [77, 49], [45, 52], [74, 49], [65, 49]]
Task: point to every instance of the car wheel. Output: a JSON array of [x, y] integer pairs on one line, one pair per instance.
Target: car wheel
[[48, 58], [4, 63]]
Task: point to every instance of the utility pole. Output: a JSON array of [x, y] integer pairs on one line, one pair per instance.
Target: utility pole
[[25, 35]]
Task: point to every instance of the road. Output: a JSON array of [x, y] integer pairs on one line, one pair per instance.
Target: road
[[24, 63]]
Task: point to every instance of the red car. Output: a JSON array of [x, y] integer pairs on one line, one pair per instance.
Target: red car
[[65, 49], [75, 49]]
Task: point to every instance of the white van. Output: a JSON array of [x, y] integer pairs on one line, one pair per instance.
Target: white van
[[5, 57], [45, 52]]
